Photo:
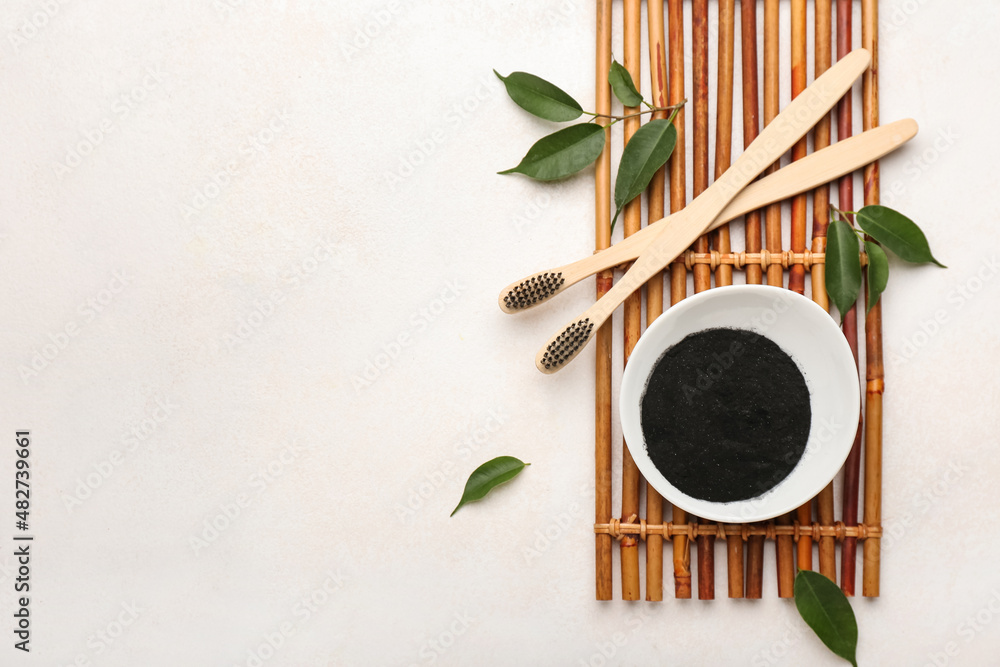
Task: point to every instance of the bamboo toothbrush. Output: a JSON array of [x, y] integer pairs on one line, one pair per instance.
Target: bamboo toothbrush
[[821, 167], [790, 126]]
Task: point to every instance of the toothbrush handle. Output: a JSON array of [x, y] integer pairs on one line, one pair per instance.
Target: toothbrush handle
[[823, 166]]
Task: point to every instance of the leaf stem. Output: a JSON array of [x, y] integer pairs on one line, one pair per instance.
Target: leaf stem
[[673, 114], [651, 109], [834, 211], [670, 119], [843, 214]]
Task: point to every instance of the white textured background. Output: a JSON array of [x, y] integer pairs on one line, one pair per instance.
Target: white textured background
[[256, 199]]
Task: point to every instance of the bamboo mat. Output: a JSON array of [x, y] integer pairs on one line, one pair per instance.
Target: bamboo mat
[[810, 537]]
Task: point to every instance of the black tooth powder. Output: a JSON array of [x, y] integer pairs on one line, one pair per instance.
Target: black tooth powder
[[725, 415]]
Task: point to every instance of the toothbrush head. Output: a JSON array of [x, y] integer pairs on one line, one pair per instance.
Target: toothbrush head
[[532, 291], [565, 346]]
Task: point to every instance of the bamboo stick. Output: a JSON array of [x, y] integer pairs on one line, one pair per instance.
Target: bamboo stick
[[785, 557], [724, 123], [751, 118], [654, 288], [821, 217], [755, 567], [678, 274], [724, 274], [784, 544], [874, 372], [797, 272], [754, 580], [852, 471], [706, 567], [852, 467], [702, 272], [602, 397], [772, 224], [632, 218], [699, 76]]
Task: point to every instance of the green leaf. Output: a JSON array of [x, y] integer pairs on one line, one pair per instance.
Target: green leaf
[[648, 150], [488, 476], [621, 82], [562, 153], [540, 97], [843, 266], [826, 610], [878, 272], [897, 233]]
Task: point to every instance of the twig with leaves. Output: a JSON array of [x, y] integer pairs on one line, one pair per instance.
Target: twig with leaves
[[576, 147], [882, 227]]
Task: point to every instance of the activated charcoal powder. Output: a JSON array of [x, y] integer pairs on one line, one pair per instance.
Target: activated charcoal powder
[[725, 415]]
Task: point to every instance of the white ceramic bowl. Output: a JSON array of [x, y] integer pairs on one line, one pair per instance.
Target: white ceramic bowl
[[805, 332]]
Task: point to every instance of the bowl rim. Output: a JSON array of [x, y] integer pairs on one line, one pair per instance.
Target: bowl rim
[[812, 479]]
